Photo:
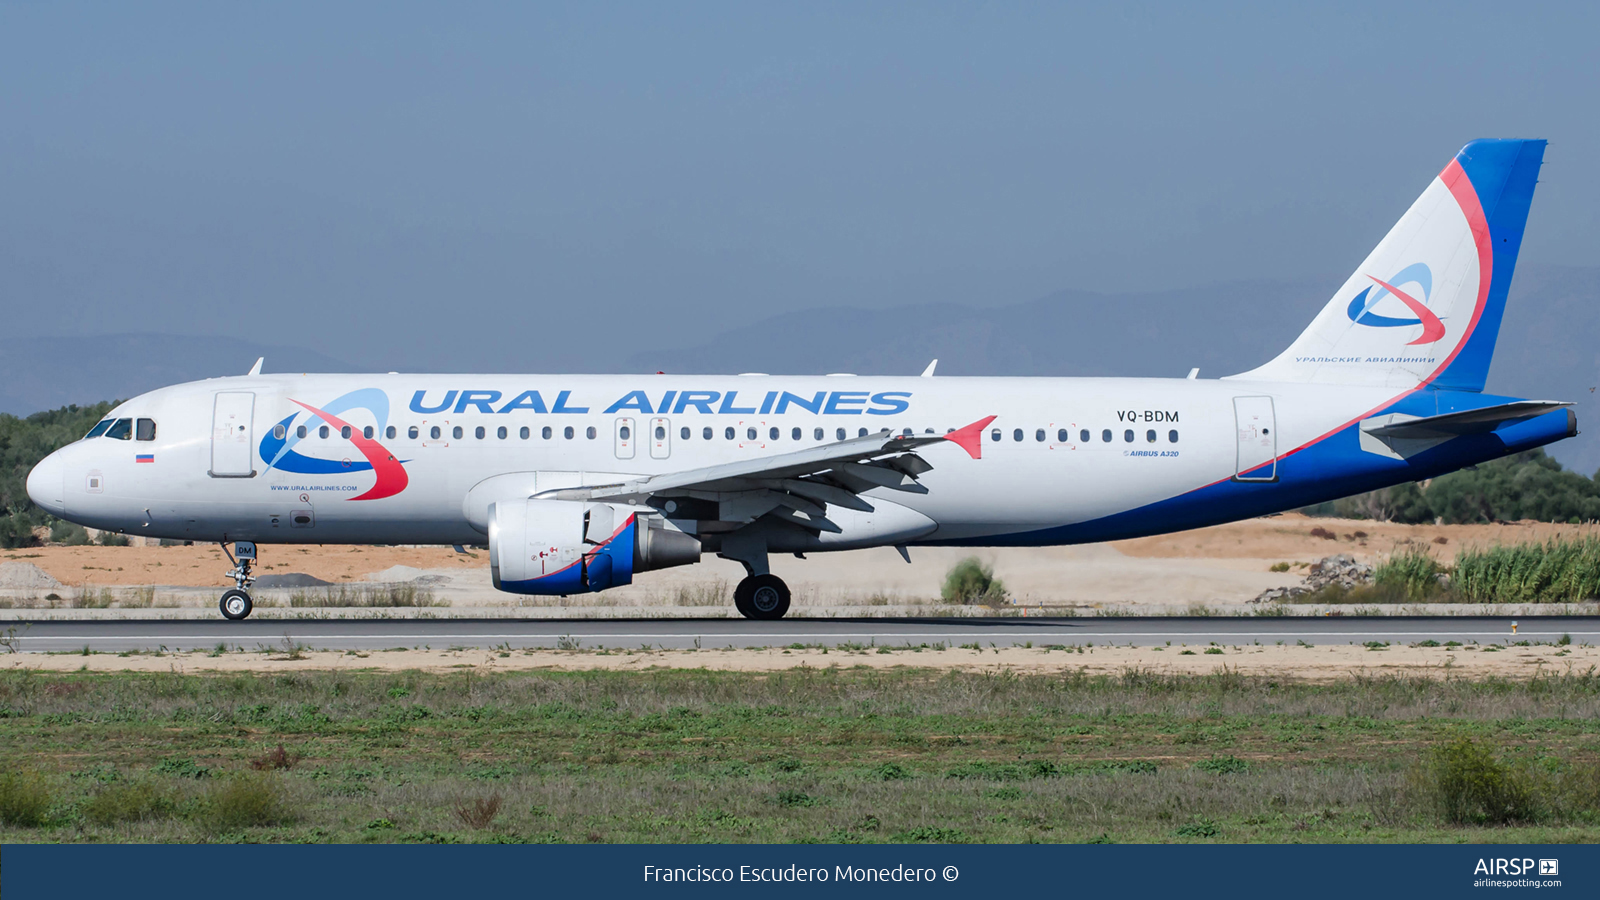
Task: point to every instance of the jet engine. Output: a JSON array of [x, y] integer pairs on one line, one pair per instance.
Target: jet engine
[[574, 547]]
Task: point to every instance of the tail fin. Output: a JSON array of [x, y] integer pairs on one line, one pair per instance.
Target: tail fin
[[1424, 308]]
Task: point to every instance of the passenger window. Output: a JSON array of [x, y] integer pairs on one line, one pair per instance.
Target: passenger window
[[412, 432], [367, 432], [1039, 435], [684, 432], [1016, 434], [862, 433], [624, 432], [1172, 436], [1062, 436], [728, 433], [456, 432], [344, 432], [994, 435], [906, 432], [816, 434], [772, 434], [300, 432], [1128, 436], [389, 432], [322, 432], [661, 433], [546, 433], [525, 433], [1150, 436], [145, 430], [840, 434], [99, 428], [478, 432], [590, 432], [568, 433], [1106, 435], [705, 433], [501, 432], [1083, 436], [751, 432], [279, 432], [434, 432]]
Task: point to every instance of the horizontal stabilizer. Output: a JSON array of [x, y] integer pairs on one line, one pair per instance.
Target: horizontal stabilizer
[[1471, 421]]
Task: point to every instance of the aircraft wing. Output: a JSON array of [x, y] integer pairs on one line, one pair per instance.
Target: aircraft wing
[[1471, 421], [796, 487]]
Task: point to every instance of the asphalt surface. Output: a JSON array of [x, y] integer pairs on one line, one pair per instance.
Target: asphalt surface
[[439, 634]]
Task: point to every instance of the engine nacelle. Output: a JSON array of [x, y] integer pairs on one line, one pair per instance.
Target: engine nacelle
[[575, 547]]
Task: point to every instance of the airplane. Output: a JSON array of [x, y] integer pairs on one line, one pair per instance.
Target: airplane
[[576, 483]]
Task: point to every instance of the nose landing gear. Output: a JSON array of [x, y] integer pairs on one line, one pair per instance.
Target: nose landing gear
[[236, 603]]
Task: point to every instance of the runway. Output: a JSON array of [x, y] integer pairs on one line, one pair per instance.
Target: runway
[[670, 634]]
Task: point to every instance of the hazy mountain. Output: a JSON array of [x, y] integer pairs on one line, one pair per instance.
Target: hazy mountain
[[1549, 342], [45, 373]]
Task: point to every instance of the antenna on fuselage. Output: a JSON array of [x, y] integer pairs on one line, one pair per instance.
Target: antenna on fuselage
[[256, 369], [928, 372]]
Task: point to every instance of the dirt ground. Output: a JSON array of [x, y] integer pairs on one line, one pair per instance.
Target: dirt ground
[[1252, 545], [1317, 663]]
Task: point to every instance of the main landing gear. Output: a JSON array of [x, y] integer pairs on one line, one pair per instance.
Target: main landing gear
[[236, 603], [762, 597]]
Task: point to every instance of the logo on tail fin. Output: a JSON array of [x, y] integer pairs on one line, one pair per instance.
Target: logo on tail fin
[[1362, 305]]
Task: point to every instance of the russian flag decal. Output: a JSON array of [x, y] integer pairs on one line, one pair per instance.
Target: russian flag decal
[[145, 458]]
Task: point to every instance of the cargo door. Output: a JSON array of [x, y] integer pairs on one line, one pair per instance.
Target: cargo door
[[660, 438], [627, 438], [1257, 441], [232, 453]]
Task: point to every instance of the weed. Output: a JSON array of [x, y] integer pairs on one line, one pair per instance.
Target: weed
[[1280, 567], [891, 772], [365, 595], [179, 767], [480, 812], [24, 798], [568, 642], [795, 798], [928, 834], [1214, 651], [277, 758], [1200, 827], [1223, 765], [1325, 534]]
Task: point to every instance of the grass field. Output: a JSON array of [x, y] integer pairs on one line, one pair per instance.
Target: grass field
[[827, 755]]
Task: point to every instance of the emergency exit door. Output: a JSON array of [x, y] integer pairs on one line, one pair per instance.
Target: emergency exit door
[[231, 447], [626, 439], [1257, 441], [660, 438]]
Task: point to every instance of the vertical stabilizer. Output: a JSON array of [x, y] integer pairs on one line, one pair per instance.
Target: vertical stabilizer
[[1424, 308]]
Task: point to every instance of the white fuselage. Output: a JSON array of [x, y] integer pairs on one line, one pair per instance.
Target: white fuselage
[[1060, 451]]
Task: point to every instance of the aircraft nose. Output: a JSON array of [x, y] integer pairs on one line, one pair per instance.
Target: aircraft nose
[[47, 485]]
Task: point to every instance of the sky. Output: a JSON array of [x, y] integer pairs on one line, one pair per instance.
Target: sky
[[539, 187]]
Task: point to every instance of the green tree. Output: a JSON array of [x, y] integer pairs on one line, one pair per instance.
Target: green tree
[[23, 442]]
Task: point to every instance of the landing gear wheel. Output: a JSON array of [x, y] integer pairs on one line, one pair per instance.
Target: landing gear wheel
[[236, 605], [762, 597]]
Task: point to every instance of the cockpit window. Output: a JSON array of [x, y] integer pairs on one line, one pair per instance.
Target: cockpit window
[[99, 428], [121, 429], [145, 430]]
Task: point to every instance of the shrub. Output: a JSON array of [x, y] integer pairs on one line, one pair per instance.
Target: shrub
[[277, 758], [1562, 570], [1411, 572], [67, 533], [971, 581], [480, 812], [135, 802], [110, 539], [796, 798], [24, 799], [244, 801], [1201, 828], [1466, 785]]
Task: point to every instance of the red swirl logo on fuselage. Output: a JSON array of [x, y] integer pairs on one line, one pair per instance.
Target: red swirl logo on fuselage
[[390, 478]]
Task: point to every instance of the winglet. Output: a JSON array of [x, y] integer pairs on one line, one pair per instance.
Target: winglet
[[256, 369], [970, 438]]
